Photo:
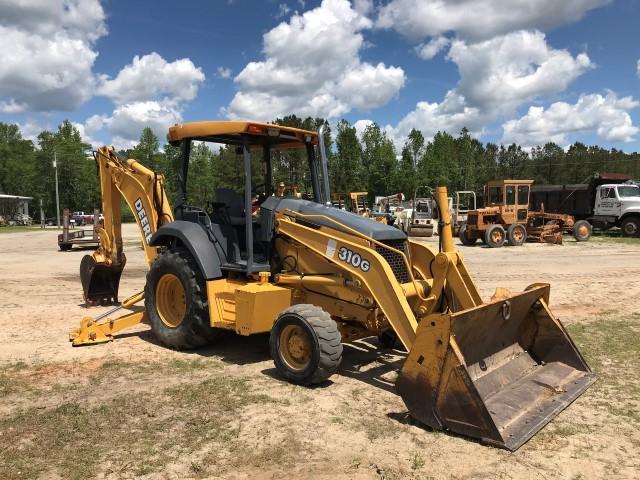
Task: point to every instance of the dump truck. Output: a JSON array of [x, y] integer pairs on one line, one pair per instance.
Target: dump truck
[[314, 276], [607, 200], [507, 217]]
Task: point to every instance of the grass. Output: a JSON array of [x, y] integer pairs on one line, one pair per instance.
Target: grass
[[602, 237], [129, 434], [20, 228], [612, 349]]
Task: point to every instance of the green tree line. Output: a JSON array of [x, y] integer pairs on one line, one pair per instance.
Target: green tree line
[[367, 162]]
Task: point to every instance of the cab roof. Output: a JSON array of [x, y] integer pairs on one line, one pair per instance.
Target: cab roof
[[232, 133], [500, 183]]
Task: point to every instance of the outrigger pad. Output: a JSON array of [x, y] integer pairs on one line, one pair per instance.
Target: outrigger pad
[[498, 372], [100, 282]]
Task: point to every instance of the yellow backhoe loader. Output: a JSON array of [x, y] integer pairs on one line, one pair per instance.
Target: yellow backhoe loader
[[316, 276]]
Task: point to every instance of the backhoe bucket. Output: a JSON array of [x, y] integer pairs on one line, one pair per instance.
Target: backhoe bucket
[[498, 372], [100, 282]]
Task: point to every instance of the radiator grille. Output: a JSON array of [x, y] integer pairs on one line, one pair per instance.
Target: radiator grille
[[395, 260]]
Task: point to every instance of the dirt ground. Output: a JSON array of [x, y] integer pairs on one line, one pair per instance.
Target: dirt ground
[[132, 408]]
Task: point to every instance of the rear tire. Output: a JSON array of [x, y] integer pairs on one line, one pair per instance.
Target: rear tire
[[176, 302], [516, 234], [65, 247], [464, 238], [582, 231], [495, 236], [631, 227], [305, 344]]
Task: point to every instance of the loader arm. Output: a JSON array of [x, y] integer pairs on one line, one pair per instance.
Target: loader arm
[[143, 191], [497, 371]]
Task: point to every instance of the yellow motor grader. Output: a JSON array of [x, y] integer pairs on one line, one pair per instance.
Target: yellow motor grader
[[316, 276]]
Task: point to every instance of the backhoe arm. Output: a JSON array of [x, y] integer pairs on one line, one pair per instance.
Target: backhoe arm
[[143, 191]]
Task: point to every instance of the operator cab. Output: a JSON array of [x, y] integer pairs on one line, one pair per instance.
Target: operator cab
[[237, 225], [512, 195]]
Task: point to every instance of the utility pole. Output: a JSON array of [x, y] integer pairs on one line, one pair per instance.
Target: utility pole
[[55, 166]]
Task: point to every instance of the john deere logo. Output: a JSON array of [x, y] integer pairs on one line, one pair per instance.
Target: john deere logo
[[144, 221]]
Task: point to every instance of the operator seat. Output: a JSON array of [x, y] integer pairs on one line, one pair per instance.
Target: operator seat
[[234, 205]]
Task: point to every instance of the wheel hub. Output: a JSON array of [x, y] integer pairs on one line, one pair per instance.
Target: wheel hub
[[583, 231], [296, 347], [170, 300]]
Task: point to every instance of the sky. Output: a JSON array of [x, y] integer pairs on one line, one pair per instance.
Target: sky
[[525, 71]]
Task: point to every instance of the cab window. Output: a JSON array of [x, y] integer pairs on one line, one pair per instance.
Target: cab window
[[495, 194], [607, 193], [523, 195], [511, 195]]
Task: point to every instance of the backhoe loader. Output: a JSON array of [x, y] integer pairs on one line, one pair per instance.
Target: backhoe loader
[[315, 276]]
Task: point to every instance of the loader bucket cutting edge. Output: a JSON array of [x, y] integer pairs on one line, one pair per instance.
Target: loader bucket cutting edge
[[498, 372], [100, 282]]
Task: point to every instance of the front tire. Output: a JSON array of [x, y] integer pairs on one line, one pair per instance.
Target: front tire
[[495, 236], [305, 344], [582, 231], [464, 238], [631, 227], [176, 302]]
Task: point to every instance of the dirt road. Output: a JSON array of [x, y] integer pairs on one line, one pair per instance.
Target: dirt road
[[355, 427]]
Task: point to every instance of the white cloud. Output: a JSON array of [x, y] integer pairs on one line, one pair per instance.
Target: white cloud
[[430, 49], [496, 76], [30, 130], [148, 92], [479, 19], [450, 115], [127, 122], [47, 53], [638, 68], [361, 126], [503, 72], [310, 67], [363, 7], [224, 72], [152, 77], [607, 115], [283, 10]]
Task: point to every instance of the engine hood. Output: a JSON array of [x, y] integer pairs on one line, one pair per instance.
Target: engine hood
[[370, 228]]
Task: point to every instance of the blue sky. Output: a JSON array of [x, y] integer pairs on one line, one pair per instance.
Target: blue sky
[[532, 72]]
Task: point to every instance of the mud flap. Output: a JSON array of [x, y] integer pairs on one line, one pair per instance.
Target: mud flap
[[100, 282], [498, 372]]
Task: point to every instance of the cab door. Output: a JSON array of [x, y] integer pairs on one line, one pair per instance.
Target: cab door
[[607, 202], [522, 211]]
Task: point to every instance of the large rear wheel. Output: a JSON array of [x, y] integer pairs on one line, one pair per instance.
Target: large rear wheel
[[516, 234], [176, 301], [495, 236], [306, 345], [631, 227]]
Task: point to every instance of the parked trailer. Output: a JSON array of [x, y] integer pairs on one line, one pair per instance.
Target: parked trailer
[[608, 200], [68, 238]]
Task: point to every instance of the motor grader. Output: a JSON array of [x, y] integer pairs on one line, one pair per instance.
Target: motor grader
[[315, 276], [506, 217]]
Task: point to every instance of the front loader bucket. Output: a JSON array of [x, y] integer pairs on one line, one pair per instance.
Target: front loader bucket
[[100, 282], [498, 372]]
